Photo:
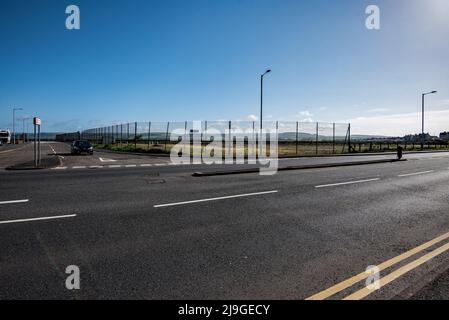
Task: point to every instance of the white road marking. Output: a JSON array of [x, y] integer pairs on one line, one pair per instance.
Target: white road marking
[[11, 150], [37, 219], [130, 165], [346, 183], [415, 174], [107, 160], [59, 168], [96, 167], [115, 166], [14, 201], [146, 165], [214, 199], [79, 167], [160, 164]]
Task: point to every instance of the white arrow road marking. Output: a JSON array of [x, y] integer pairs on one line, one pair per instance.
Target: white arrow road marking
[[107, 160]]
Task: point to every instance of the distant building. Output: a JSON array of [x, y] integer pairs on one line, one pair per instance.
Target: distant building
[[418, 137], [444, 136]]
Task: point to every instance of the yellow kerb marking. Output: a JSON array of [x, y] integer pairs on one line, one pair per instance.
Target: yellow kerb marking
[[361, 276]]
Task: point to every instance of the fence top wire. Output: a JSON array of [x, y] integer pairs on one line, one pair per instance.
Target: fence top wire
[[286, 130]]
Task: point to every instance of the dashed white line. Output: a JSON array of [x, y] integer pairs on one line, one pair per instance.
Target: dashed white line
[[14, 201], [37, 219], [79, 167], [415, 174], [130, 165], [146, 165], [214, 199], [115, 166], [59, 168], [346, 183]]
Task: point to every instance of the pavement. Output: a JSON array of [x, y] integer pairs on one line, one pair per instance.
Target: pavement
[[156, 232]]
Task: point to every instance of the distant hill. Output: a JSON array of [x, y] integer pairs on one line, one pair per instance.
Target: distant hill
[[311, 137], [44, 135]]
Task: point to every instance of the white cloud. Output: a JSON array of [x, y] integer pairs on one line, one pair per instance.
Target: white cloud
[[252, 117], [304, 116], [400, 124], [377, 110]]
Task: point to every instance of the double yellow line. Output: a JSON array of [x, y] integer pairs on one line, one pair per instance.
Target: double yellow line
[[362, 293]]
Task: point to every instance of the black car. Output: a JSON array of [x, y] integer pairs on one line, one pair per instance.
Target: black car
[[82, 146]]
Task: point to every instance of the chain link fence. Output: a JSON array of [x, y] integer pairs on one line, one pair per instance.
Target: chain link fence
[[294, 138]]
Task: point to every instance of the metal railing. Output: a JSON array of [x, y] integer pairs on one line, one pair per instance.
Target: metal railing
[[294, 138]]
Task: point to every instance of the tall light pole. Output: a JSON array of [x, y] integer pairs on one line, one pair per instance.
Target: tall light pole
[[23, 127], [261, 98], [14, 123], [422, 131]]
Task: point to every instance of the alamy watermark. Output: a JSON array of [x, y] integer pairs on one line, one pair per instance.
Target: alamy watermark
[[73, 280], [372, 22], [231, 146], [73, 21], [373, 281]]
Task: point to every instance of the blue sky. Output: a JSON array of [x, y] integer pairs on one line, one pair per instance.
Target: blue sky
[[201, 60]]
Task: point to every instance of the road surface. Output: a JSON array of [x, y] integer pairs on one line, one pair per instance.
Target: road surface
[[156, 232]]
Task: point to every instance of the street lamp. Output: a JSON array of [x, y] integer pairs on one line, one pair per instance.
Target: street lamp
[[261, 97], [23, 127], [422, 131], [14, 123]]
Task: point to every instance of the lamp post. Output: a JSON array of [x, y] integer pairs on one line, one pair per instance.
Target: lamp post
[[23, 127], [261, 98], [14, 124], [422, 131]]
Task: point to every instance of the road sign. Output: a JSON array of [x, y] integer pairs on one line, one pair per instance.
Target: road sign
[[37, 121]]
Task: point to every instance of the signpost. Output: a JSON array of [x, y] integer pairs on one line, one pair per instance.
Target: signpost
[[37, 147]]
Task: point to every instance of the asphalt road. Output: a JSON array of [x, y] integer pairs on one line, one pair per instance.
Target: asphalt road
[[156, 232]]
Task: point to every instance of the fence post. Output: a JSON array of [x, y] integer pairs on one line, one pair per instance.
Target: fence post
[[135, 135], [316, 139], [349, 137], [333, 138], [277, 136], [149, 134], [297, 133], [166, 135], [121, 134]]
